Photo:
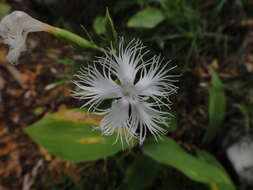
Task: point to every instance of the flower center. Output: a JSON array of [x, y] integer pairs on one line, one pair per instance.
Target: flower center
[[129, 92]]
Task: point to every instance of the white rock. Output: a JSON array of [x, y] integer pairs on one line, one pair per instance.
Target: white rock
[[241, 156]]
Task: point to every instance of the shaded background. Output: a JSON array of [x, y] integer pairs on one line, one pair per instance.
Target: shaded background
[[198, 36]]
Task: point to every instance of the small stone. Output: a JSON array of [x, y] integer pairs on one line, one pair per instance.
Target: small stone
[[241, 156]]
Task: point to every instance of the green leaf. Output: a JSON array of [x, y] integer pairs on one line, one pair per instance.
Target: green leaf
[[99, 25], [134, 179], [70, 135], [246, 114], [146, 18], [197, 169], [207, 157], [216, 108], [110, 31], [4, 9]]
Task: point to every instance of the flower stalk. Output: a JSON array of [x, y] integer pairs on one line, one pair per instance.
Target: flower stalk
[[15, 27], [71, 38]]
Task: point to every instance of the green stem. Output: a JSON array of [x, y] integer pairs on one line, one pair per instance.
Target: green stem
[[72, 38]]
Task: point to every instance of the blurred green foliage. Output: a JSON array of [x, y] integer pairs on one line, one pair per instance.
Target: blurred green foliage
[[216, 108], [140, 174], [146, 18], [110, 32], [178, 26], [4, 8], [99, 25]]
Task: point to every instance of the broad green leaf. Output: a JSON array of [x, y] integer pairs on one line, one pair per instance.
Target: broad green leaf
[[216, 108], [208, 158], [70, 135], [110, 31], [140, 174], [170, 153], [99, 25], [146, 18]]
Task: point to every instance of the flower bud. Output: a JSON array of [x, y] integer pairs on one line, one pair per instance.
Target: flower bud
[[14, 29]]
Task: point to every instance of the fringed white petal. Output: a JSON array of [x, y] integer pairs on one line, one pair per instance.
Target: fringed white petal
[[155, 80], [125, 63], [117, 119], [145, 118], [14, 29], [95, 86]]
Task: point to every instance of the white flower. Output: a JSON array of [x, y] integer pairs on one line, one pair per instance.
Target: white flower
[[14, 29], [137, 88]]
